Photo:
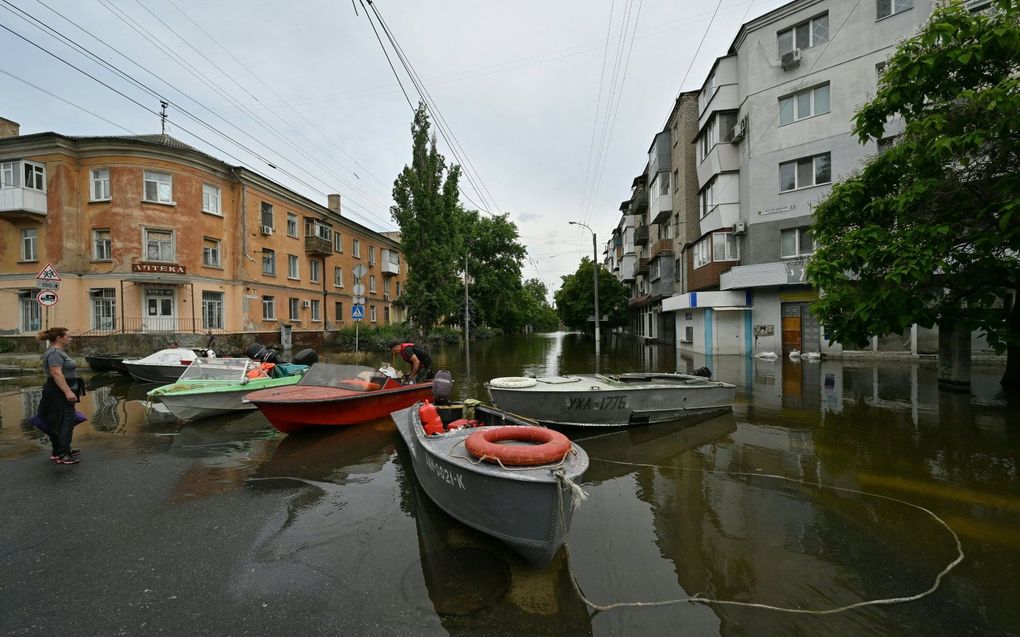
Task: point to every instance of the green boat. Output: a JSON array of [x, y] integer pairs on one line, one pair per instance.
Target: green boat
[[217, 386]]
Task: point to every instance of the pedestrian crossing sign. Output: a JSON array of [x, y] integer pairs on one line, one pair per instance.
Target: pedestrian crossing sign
[[358, 312]]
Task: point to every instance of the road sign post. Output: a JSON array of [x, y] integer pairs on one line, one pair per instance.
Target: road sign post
[[47, 298]]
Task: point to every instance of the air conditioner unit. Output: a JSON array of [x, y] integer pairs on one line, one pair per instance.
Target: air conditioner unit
[[740, 227], [267, 231], [306, 304], [790, 59], [739, 130]]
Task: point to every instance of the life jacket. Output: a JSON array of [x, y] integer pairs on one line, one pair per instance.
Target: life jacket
[[423, 356]]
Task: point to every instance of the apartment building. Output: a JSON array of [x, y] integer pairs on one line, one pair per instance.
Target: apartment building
[[774, 119], [151, 235]]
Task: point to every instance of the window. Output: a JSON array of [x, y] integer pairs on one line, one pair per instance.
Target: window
[[887, 8], [268, 262], [338, 308], [101, 244], [676, 180], [212, 310], [371, 255], [804, 35], [813, 101], [371, 283], [338, 277], [100, 179], [292, 267], [338, 243], [654, 269], [35, 176], [29, 238], [315, 228], [314, 270], [371, 313], [268, 308], [315, 311], [159, 245], [398, 289], [796, 242], [158, 187], [886, 143], [267, 214], [9, 175], [386, 314], [880, 69], [356, 248], [104, 308], [291, 224], [211, 199], [386, 286], [211, 252], [30, 315], [724, 247], [293, 309], [708, 138], [701, 253], [708, 197], [805, 172]]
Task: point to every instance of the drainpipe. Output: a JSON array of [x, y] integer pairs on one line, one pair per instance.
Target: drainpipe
[[244, 247]]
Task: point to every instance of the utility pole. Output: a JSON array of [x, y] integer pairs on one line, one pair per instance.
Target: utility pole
[[162, 115], [595, 276], [467, 314]]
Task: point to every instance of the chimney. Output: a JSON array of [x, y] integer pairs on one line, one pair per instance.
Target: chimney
[[334, 203], [9, 128]]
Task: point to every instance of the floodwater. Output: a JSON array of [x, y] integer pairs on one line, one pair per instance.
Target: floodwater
[[832, 483]]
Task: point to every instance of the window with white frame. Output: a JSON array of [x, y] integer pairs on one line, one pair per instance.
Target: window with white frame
[[338, 277], [702, 252], [211, 199], [654, 269], [267, 214], [724, 247], [371, 313], [315, 228], [212, 310], [104, 308], [30, 315], [796, 242], [268, 262], [292, 267], [708, 197], [29, 240], [211, 252], [804, 35], [294, 309], [813, 101], [386, 285], [159, 245], [158, 187], [371, 255], [101, 245], [35, 176], [9, 177], [268, 308], [708, 138], [371, 283], [100, 188], [315, 311], [291, 225], [356, 248], [314, 270], [886, 8], [805, 172], [386, 314], [338, 243]]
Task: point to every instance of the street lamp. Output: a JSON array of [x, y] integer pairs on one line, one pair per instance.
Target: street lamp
[[595, 270]]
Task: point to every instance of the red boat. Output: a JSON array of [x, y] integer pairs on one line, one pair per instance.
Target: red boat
[[334, 395]]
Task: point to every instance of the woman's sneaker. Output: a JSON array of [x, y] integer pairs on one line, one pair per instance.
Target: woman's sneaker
[[66, 459], [74, 454]]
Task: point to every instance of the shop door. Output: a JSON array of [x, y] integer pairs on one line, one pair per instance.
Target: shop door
[[791, 327], [159, 312]]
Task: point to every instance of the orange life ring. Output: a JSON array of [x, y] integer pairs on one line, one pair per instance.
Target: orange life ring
[[551, 446]]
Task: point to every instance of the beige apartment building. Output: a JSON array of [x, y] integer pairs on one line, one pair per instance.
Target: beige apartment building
[[149, 235]]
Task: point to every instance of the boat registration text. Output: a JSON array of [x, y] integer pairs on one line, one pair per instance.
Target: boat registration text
[[444, 474], [606, 402]]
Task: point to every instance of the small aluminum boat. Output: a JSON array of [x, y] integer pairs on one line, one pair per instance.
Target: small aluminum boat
[[165, 366]]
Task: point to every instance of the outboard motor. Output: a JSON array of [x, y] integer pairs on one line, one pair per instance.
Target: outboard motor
[[702, 371], [262, 354], [307, 356], [442, 387]]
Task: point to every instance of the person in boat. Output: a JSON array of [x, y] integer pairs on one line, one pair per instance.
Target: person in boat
[[417, 357], [60, 392]]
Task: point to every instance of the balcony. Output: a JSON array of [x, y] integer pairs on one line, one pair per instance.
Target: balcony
[[627, 264], [641, 235], [318, 246], [662, 208], [639, 202], [390, 263], [642, 266], [663, 247], [22, 203]]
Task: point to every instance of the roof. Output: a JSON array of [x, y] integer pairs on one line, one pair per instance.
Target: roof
[[154, 140]]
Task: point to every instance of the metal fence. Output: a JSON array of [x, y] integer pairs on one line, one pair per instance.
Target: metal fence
[[155, 325]]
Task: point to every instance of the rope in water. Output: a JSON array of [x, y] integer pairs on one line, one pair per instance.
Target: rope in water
[[697, 599]]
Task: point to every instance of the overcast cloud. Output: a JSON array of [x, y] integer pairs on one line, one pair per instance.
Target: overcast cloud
[[518, 84]]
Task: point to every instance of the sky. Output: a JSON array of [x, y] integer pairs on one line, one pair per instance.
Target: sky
[[550, 106]]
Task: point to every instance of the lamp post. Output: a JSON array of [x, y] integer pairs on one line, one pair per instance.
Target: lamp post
[[595, 270]]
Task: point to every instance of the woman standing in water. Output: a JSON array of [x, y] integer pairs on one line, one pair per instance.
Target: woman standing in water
[[60, 392]]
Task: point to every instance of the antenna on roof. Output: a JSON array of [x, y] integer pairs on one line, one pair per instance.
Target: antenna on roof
[[162, 115]]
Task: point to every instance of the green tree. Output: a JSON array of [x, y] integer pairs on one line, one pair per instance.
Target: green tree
[[575, 300], [494, 258], [928, 231], [540, 315], [427, 211]]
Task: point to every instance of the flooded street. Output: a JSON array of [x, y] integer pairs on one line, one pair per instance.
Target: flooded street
[[827, 486]]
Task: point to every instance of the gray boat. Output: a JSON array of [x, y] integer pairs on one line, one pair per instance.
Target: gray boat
[[617, 400], [527, 507]]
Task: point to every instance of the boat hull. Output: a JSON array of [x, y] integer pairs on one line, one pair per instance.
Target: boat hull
[[590, 401], [155, 373], [106, 362], [298, 407], [206, 402], [529, 509]]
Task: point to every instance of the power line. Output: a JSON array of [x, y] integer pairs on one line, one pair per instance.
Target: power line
[[69, 103]]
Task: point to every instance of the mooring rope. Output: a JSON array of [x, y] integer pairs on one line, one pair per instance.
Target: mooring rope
[[698, 599]]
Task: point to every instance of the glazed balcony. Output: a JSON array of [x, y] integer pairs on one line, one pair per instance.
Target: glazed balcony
[[22, 203]]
